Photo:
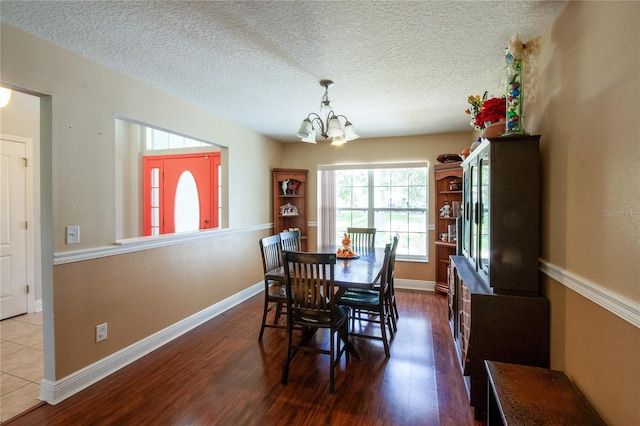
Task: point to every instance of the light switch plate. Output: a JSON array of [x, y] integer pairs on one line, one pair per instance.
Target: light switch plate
[[73, 234]]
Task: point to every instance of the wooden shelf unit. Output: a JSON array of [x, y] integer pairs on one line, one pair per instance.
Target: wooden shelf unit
[[296, 197], [445, 174]]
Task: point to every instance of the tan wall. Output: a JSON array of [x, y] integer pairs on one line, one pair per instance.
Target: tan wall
[[598, 351], [141, 293], [587, 109], [380, 150]]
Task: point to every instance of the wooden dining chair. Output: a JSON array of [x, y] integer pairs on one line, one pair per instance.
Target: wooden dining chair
[[311, 305], [362, 237], [290, 240], [373, 304], [391, 303], [275, 295]]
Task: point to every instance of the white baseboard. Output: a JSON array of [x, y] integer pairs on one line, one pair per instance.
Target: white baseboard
[[55, 392], [37, 307], [415, 284]]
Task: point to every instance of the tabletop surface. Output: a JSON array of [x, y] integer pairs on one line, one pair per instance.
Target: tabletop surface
[[355, 272]]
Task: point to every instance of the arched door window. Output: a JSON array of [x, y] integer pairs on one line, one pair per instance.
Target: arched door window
[[186, 209]]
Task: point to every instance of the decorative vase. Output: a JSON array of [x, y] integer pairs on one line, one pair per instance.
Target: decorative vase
[[465, 153], [515, 79], [494, 130]]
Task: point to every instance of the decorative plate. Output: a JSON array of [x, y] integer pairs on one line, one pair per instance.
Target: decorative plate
[[448, 158], [351, 256]]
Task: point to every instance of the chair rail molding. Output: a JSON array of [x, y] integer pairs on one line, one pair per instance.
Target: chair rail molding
[[618, 305], [146, 243]]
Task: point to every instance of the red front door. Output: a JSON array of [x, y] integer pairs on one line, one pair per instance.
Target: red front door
[[192, 177]]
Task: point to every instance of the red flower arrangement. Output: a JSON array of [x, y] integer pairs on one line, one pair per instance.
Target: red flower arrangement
[[486, 111], [493, 110]]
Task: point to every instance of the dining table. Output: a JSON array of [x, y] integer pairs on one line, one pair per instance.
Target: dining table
[[360, 271]]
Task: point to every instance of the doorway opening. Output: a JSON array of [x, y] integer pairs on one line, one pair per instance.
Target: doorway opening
[[25, 144]]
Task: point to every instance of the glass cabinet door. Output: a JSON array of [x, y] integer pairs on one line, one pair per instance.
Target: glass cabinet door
[[473, 211], [483, 214], [466, 215]]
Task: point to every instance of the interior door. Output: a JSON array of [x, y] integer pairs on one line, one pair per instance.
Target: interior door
[[13, 229]]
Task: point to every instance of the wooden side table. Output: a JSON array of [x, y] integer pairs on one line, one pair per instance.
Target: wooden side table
[[524, 395]]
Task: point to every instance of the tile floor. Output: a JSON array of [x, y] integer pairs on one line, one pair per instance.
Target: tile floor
[[21, 363]]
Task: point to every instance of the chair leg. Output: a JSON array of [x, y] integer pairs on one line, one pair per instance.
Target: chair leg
[[394, 304], [383, 328], [387, 322], [357, 314], [395, 308], [391, 314], [332, 363], [278, 313], [347, 343], [285, 367], [391, 325], [264, 318]]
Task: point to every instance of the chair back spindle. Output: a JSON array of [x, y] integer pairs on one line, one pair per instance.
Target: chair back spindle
[[270, 248], [362, 238], [290, 240], [312, 286]]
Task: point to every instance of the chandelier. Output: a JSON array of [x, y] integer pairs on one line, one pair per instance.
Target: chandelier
[[327, 122]]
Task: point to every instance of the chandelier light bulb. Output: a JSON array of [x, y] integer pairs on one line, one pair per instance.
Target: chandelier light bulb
[[338, 140]]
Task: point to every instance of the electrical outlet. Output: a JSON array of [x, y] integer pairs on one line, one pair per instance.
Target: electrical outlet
[[101, 332]]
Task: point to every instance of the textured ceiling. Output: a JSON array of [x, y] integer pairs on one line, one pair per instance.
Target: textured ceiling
[[400, 68]]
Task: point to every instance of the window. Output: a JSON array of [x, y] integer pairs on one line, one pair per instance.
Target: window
[[393, 198], [158, 140], [156, 200]]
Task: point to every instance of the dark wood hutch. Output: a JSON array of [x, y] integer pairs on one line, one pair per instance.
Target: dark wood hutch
[[496, 311]]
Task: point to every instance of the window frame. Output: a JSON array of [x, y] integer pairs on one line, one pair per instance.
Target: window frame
[[371, 209]]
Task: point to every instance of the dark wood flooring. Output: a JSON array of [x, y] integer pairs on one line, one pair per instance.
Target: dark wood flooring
[[219, 374]]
